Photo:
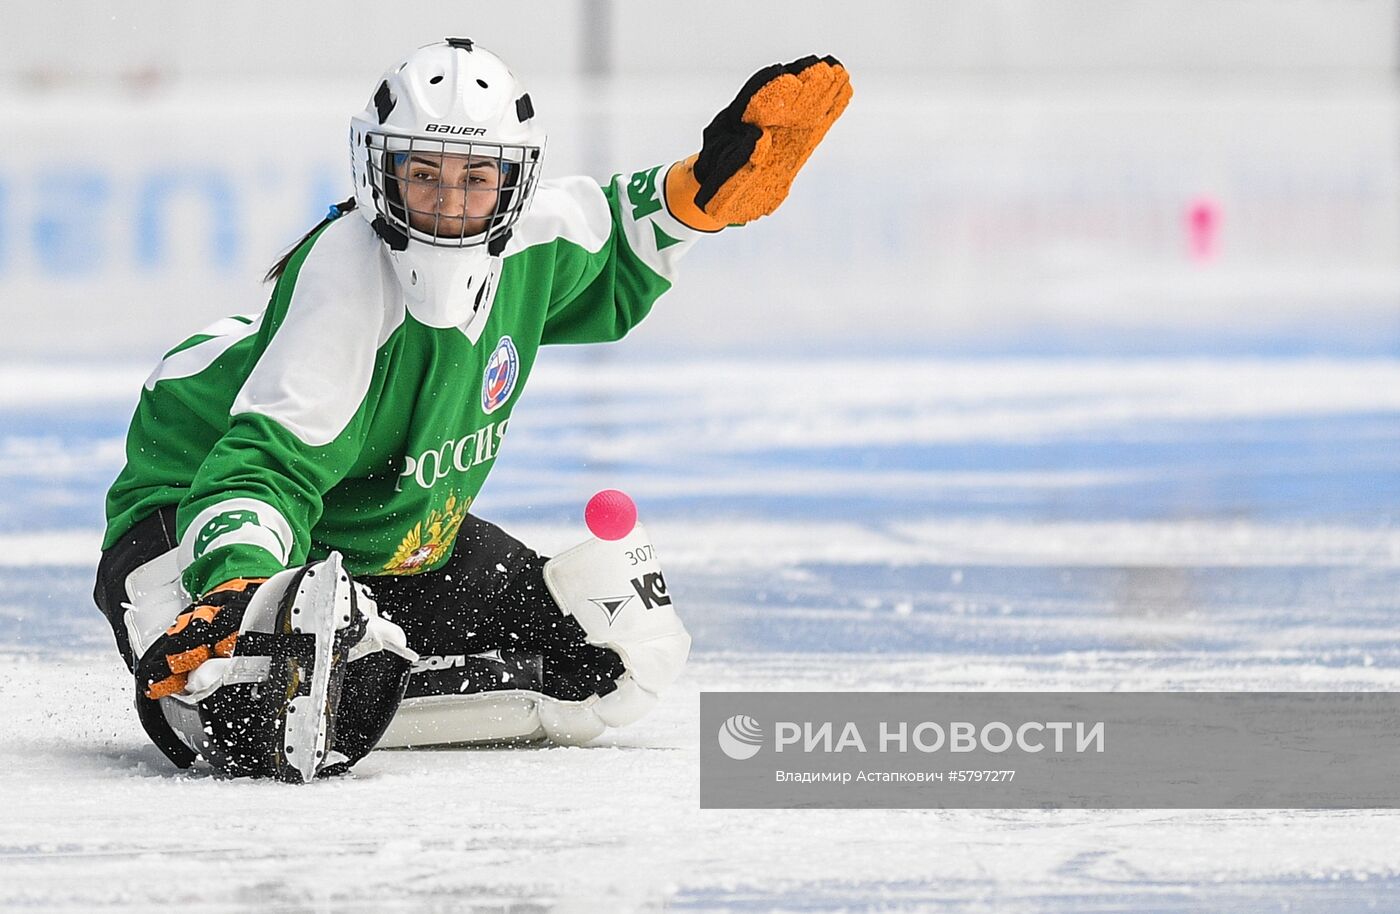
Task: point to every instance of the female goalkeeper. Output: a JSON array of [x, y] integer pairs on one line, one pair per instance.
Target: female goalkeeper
[[293, 525]]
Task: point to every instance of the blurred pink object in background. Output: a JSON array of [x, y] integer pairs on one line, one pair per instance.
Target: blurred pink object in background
[[1203, 228]]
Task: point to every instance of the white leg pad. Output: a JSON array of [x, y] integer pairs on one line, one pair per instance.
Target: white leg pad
[[483, 717], [155, 598], [573, 723], [513, 716], [616, 591], [626, 704], [570, 723]]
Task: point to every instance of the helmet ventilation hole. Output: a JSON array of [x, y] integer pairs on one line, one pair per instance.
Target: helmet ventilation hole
[[413, 277], [482, 84], [436, 79]]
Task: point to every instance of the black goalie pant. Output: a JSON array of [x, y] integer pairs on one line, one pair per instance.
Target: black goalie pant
[[489, 596]]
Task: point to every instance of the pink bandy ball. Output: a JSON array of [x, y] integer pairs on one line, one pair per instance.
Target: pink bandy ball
[[610, 515]]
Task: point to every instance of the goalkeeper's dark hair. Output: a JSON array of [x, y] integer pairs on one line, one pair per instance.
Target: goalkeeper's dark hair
[[336, 211]]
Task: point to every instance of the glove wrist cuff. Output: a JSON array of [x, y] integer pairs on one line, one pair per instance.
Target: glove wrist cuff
[[681, 188], [236, 584]]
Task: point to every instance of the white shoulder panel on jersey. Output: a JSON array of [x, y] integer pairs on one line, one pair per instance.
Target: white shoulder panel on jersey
[[573, 209], [222, 334], [317, 369]]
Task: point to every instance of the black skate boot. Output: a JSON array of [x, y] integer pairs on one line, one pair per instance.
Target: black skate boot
[[284, 724]]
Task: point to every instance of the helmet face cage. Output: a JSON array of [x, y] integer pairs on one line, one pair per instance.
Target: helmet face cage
[[449, 193]]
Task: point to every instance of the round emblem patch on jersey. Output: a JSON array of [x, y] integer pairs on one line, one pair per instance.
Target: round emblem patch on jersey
[[502, 371]]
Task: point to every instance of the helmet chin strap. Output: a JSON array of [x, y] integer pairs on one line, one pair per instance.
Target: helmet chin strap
[[391, 235], [447, 287], [497, 245]]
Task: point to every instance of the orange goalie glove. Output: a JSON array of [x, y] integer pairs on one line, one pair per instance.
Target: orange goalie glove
[[208, 629], [754, 148]]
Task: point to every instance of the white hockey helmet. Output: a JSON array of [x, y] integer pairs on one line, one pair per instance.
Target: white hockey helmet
[[448, 99]]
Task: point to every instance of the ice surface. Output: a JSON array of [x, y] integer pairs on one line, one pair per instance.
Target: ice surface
[[826, 523]]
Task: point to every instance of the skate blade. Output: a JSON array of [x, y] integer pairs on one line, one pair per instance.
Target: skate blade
[[321, 605]]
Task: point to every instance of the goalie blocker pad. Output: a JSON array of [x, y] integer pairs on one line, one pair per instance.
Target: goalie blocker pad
[[617, 593]]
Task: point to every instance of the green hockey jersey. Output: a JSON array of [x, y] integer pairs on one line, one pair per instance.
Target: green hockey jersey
[[358, 413]]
